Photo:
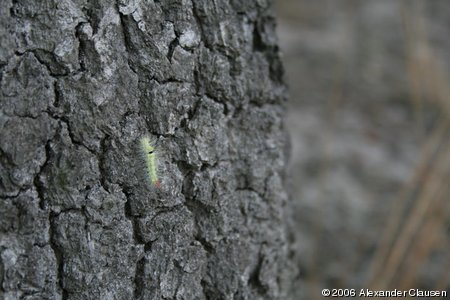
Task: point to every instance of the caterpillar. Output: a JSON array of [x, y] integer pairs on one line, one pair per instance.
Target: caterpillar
[[149, 153]]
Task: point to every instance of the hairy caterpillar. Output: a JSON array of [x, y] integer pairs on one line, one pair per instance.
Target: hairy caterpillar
[[150, 157]]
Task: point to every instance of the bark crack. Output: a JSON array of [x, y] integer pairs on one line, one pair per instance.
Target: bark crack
[[140, 264], [58, 255], [40, 189]]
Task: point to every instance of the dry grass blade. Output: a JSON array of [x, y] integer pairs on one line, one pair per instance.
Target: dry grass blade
[[385, 255], [416, 226]]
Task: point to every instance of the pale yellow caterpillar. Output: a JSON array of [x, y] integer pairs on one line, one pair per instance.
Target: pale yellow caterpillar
[[148, 151]]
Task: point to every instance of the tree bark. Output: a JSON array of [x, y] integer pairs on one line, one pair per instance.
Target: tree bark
[[81, 83]]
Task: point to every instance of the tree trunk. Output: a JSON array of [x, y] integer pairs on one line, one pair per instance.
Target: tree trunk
[[82, 82]]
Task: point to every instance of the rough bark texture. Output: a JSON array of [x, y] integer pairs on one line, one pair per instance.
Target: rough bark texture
[[81, 83]]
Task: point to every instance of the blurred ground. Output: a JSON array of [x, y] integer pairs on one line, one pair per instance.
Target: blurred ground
[[369, 121]]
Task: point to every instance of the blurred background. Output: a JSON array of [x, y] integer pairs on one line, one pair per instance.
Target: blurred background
[[369, 119]]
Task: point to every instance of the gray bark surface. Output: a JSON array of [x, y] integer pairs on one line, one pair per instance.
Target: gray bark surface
[[81, 83]]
